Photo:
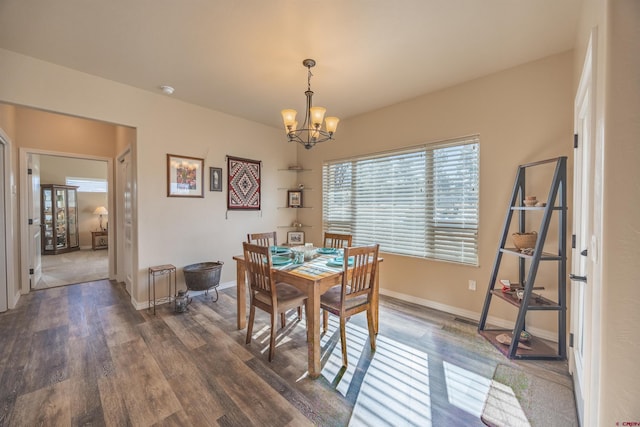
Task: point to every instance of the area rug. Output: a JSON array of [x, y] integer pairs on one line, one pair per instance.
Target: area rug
[[517, 398], [73, 267]]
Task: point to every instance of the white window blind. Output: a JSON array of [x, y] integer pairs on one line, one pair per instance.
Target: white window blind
[[419, 202], [88, 185]]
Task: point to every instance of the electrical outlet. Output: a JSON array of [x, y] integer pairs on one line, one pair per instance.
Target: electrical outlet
[[472, 285]]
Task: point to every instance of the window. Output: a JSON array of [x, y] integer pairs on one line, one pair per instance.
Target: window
[[88, 185], [419, 202]]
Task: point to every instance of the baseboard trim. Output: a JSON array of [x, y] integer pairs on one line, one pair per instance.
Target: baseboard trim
[[143, 305], [457, 311], [16, 298]]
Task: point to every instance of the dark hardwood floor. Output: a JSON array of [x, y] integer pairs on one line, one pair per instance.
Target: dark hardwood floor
[[81, 355]]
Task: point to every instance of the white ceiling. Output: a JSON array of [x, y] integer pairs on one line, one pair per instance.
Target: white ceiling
[[244, 57]]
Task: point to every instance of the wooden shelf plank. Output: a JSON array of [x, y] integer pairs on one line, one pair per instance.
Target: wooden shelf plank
[[546, 256], [536, 302], [540, 349]]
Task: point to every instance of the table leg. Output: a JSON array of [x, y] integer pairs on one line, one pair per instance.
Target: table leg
[[241, 294], [313, 331], [376, 300]]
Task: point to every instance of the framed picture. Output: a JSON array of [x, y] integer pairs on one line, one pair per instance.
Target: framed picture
[[294, 199], [295, 237], [215, 179], [243, 184], [185, 176]]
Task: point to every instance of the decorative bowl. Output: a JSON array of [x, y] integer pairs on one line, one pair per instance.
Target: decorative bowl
[[525, 240], [308, 251], [525, 336]]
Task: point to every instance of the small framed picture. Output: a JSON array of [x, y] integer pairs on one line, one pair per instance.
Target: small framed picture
[[185, 176], [215, 179], [294, 199], [295, 237]]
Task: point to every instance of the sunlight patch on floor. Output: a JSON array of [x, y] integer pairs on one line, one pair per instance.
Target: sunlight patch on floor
[[502, 407], [395, 389], [465, 389]]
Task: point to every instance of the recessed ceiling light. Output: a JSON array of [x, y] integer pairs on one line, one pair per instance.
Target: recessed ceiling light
[[167, 89]]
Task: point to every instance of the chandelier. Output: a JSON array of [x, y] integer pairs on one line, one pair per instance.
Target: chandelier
[[311, 131]]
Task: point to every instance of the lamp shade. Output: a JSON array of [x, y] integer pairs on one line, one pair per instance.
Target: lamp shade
[[289, 117], [331, 123], [101, 210]]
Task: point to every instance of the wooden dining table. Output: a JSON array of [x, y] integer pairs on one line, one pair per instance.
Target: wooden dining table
[[313, 277]]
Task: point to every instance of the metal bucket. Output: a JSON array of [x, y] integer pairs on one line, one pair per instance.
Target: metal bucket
[[203, 276]]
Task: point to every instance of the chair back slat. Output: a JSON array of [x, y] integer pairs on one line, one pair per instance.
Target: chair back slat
[[361, 276], [263, 239], [258, 266], [337, 240]]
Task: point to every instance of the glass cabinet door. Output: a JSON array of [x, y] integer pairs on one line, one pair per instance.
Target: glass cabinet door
[[47, 219], [61, 218], [72, 212], [59, 205]]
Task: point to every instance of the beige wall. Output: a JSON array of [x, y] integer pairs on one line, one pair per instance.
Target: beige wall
[[621, 243], [613, 398], [56, 132], [521, 114], [180, 231]]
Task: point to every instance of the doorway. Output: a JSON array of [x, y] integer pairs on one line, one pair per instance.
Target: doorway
[[585, 353], [87, 178]]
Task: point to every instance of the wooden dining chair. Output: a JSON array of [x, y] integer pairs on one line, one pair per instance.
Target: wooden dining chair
[[337, 240], [355, 295], [270, 239], [265, 293], [263, 239]]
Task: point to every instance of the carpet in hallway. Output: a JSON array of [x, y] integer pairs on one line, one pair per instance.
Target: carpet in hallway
[[73, 267]]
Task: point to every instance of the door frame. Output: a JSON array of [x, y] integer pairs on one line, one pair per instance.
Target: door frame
[[587, 389], [7, 217], [24, 200]]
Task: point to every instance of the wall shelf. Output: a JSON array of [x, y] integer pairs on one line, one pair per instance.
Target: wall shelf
[[295, 170], [295, 189]]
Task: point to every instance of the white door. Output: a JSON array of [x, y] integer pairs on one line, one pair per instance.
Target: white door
[[4, 296], [581, 356], [124, 206], [35, 229]]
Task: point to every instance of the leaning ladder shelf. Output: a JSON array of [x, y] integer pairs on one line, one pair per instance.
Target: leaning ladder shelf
[[556, 203]]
